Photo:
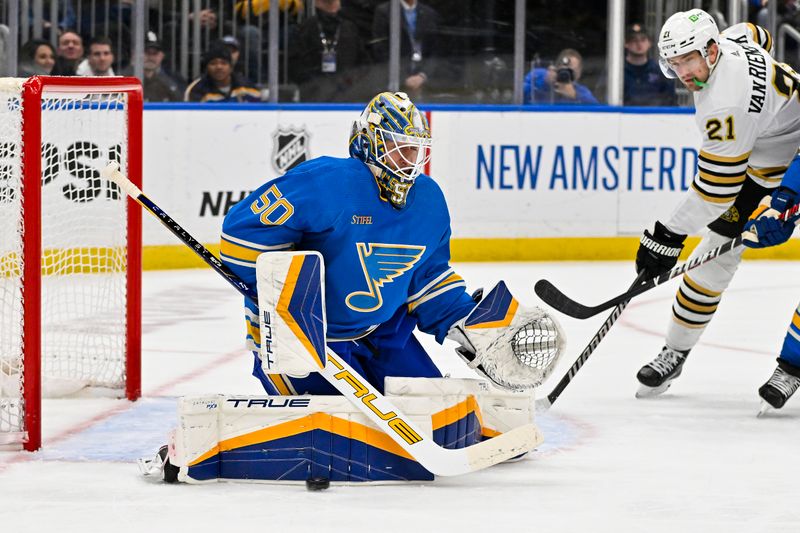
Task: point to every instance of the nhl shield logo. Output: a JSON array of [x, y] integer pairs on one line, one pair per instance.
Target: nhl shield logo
[[290, 148]]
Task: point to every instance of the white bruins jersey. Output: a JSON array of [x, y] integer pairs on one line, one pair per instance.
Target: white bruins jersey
[[749, 117]]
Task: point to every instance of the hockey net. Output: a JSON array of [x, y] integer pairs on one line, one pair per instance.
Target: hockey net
[[70, 262]]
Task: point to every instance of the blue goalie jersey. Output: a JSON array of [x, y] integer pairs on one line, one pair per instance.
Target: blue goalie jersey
[[377, 258]]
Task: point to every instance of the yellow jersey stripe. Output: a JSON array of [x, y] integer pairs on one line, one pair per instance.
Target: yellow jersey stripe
[[434, 294], [774, 177], [712, 158], [451, 279], [737, 179], [767, 171], [753, 32], [237, 251]]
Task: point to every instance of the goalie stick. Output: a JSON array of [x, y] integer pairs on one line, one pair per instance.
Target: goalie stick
[[563, 303], [378, 409], [543, 404]]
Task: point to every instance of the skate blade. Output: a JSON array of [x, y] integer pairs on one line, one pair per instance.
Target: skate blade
[[765, 408], [650, 392]]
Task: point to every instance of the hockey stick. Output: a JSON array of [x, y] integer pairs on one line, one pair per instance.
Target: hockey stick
[[544, 404], [561, 302], [378, 409]]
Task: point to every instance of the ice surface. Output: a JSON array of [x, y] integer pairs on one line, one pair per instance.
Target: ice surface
[[695, 459]]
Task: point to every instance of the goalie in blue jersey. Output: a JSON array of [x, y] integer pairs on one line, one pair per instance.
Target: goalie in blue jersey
[[383, 229]]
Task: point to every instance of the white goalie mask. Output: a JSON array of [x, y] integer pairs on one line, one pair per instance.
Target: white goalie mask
[[393, 138], [683, 33]]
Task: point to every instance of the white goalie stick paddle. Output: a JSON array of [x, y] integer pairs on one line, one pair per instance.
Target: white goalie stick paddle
[[378, 409], [552, 296]]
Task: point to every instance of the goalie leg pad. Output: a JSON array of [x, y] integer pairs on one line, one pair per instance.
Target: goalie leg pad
[[288, 438], [294, 438], [495, 410]]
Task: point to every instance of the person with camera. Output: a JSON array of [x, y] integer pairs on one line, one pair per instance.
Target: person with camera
[[558, 84]]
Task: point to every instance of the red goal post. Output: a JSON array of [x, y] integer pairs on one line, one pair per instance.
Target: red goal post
[[70, 268]]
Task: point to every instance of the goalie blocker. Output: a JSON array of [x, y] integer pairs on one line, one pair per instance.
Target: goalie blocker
[[291, 303], [295, 438]]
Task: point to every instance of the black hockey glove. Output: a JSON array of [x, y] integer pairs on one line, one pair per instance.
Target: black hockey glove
[[659, 251]]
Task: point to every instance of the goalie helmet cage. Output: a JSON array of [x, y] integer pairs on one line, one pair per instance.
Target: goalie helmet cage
[[70, 245]]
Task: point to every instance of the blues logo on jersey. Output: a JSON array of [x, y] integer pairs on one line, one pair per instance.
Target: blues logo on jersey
[[382, 263]]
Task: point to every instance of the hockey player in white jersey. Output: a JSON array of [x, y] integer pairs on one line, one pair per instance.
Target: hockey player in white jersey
[[748, 112]]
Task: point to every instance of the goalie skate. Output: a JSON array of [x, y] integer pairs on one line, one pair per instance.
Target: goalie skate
[[656, 376], [159, 466]]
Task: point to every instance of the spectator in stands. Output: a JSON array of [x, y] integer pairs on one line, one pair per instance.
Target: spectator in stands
[[558, 84], [419, 28], [157, 85], [69, 53], [235, 49], [220, 83], [645, 84], [323, 55], [36, 57], [99, 60]]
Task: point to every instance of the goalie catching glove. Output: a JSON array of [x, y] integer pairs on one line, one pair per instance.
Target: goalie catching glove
[[513, 346]]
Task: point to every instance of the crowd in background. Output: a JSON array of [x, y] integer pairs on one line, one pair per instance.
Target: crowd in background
[[339, 51]]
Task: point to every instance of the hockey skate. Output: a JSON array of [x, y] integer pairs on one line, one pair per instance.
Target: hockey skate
[[657, 375], [777, 390], [159, 465]]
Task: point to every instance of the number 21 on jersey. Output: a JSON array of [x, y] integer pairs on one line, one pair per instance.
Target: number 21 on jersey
[[713, 127]]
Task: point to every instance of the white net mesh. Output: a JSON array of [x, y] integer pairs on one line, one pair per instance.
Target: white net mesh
[[10, 263], [84, 237]]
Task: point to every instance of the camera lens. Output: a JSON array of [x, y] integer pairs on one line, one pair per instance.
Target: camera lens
[[564, 75]]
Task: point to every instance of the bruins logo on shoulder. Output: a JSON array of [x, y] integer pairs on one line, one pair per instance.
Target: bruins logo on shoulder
[[731, 215]]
